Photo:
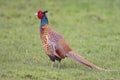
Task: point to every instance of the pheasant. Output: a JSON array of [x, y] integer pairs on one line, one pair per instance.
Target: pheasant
[[55, 45]]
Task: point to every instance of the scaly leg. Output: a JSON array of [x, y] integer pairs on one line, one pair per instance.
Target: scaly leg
[[59, 64], [52, 65]]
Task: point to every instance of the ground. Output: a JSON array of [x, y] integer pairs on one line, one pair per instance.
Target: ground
[[91, 27]]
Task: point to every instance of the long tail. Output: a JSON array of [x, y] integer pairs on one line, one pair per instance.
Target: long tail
[[81, 59]]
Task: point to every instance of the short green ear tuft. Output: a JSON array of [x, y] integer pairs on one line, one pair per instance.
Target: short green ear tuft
[[45, 12]]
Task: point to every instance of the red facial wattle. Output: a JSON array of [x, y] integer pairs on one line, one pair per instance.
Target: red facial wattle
[[40, 14]]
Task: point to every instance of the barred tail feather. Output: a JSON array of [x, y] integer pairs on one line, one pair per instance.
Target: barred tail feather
[[83, 61]]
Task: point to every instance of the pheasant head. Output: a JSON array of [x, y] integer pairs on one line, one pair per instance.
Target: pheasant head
[[40, 14]]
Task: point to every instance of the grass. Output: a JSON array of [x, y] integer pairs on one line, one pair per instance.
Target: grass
[[90, 27]]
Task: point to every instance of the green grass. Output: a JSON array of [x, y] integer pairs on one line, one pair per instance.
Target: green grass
[[91, 27]]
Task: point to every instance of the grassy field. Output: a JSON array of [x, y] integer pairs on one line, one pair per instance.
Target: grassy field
[[91, 27]]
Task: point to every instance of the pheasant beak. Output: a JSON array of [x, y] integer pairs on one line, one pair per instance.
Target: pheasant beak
[[36, 14]]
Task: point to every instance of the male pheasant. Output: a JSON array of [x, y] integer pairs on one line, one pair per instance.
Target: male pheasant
[[55, 45]]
